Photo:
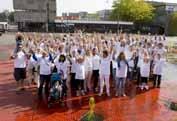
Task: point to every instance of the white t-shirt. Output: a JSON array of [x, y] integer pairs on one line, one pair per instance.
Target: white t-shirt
[[96, 62], [88, 64], [158, 67], [105, 66], [80, 71], [45, 66], [73, 65], [145, 69], [62, 67], [20, 60], [122, 71]]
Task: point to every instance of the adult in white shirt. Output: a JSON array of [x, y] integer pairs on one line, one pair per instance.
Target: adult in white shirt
[[45, 63], [159, 64], [121, 74], [80, 76], [73, 70], [95, 69], [88, 70], [105, 72], [19, 67]]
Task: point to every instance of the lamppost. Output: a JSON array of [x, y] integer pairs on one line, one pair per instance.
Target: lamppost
[[169, 10], [47, 14]]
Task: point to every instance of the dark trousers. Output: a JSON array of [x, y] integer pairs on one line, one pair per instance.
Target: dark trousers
[[138, 76], [80, 84], [73, 81], [157, 80], [65, 88], [44, 79], [95, 78], [144, 80]]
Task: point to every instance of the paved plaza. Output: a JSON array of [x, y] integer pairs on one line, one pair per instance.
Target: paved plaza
[[145, 106]]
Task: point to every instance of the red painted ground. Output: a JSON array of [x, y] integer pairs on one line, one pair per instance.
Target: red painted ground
[[147, 106]]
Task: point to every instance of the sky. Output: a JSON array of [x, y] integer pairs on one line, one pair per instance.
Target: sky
[[90, 6]]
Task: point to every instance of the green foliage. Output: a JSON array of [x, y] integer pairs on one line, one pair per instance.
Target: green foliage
[[172, 28], [132, 10], [6, 15], [11, 17]]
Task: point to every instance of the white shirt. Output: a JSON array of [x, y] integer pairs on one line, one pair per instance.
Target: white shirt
[[96, 62], [45, 66], [31, 63], [80, 71], [62, 67], [105, 66], [20, 60], [73, 65], [88, 64], [145, 69], [122, 71], [158, 67]]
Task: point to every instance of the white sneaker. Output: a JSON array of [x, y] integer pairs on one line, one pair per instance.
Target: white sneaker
[[108, 94], [82, 92], [116, 94], [141, 87], [147, 87], [124, 95], [77, 93], [100, 94]]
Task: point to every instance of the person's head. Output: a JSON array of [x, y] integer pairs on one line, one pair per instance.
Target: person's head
[[121, 56], [146, 60], [105, 53], [44, 53], [20, 47], [80, 59], [62, 58], [19, 36], [160, 45], [158, 56], [88, 53], [94, 51]]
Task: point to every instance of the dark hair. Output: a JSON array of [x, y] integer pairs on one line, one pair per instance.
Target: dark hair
[[121, 54], [62, 58], [54, 69], [19, 37]]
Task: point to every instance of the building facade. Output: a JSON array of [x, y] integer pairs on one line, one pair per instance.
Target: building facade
[[34, 14]]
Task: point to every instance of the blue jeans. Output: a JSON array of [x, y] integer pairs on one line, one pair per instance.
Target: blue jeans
[[120, 85]]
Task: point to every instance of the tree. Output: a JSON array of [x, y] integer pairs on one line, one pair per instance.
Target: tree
[[7, 16], [132, 10], [172, 27], [11, 17]]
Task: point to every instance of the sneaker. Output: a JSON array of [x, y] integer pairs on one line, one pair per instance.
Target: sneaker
[[77, 93], [116, 94], [100, 94], [96, 89], [146, 87], [108, 94], [82, 92], [141, 87], [124, 95]]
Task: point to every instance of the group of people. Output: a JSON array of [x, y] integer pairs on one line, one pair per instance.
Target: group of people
[[88, 62]]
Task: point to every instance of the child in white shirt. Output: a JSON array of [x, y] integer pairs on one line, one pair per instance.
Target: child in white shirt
[[121, 74], [145, 72], [158, 70], [105, 72]]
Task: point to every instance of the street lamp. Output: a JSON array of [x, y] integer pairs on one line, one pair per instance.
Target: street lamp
[[47, 14]]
